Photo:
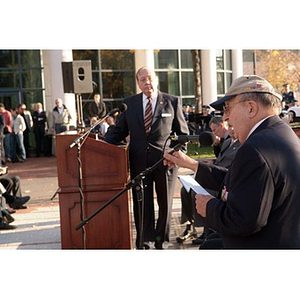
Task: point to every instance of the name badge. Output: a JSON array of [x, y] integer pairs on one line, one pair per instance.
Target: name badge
[[165, 115]]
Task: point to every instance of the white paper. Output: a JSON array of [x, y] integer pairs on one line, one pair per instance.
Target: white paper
[[189, 182]]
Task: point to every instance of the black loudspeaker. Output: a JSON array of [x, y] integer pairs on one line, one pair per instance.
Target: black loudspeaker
[[77, 76]]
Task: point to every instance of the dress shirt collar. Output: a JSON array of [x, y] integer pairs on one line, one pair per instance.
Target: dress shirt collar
[[154, 100], [256, 125]]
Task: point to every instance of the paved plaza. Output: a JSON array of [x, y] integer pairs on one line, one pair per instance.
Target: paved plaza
[[38, 226]]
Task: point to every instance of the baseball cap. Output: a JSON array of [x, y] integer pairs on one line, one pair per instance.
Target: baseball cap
[[245, 84]]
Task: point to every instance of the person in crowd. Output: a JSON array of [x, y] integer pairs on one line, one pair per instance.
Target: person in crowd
[[220, 130], [10, 189], [150, 118], [17, 138], [189, 117], [39, 128], [2, 152], [4, 224], [97, 108], [186, 111], [188, 209], [22, 109], [258, 204], [14, 202], [61, 117], [205, 118], [111, 123], [7, 130], [96, 129]]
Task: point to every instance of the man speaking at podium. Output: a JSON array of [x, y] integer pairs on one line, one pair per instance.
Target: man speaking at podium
[[151, 117]]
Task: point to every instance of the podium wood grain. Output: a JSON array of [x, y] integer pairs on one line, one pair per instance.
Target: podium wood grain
[[104, 174]]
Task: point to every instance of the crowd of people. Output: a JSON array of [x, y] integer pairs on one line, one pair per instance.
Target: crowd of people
[[15, 126]]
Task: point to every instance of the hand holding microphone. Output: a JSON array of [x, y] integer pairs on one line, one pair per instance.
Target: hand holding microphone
[[180, 159], [120, 109]]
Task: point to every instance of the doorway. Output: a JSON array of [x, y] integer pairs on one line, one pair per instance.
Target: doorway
[[10, 99]]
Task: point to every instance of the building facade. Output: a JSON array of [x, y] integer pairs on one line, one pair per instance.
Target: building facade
[[32, 76]]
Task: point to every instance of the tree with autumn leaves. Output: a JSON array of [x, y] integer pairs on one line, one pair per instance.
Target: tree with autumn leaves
[[279, 67]]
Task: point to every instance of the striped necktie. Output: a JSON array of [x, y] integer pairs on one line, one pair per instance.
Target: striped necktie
[[148, 116]]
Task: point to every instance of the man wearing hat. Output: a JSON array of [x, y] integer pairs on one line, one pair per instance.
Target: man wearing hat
[[259, 203], [291, 106]]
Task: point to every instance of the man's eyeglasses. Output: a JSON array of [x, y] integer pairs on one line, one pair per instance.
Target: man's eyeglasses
[[227, 106]]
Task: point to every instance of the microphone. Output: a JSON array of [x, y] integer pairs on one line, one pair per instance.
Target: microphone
[[205, 138], [121, 109]]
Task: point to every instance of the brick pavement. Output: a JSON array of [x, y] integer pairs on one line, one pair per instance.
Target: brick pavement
[[38, 227]]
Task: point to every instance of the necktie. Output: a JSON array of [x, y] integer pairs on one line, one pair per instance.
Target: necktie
[[148, 115]]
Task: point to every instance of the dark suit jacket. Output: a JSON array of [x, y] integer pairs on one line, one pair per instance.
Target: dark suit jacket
[[97, 110], [262, 191], [227, 153], [168, 119]]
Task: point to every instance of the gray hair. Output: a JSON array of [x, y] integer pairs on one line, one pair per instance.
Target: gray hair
[[265, 99], [216, 120]]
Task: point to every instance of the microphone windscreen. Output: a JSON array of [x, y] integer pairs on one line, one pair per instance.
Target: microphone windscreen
[[206, 138], [123, 107]]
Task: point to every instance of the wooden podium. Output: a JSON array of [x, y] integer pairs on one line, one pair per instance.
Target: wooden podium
[[104, 174]]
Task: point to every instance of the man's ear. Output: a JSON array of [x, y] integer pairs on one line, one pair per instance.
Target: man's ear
[[252, 108]]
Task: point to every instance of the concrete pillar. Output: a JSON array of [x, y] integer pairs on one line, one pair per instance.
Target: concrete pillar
[[208, 76], [54, 81], [143, 58], [237, 63]]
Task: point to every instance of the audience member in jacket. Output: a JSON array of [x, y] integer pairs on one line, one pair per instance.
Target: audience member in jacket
[[39, 127]]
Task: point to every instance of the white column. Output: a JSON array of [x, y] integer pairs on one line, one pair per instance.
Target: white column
[[209, 76], [237, 63], [56, 57], [143, 58]]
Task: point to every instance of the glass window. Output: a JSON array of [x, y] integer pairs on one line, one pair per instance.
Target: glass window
[[9, 79], [117, 84], [166, 59], [30, 58], [8, 59], [228, 80], [31, 97], [10, 99], [91, 55], [220, 60], [220, 83], [186, 59], [117, 60], [189, 101], [31, 78], [224, 71], [175, 71], [187, 83], [113, 73], [95, 81], [169, 82], [228, 60], [21, 76]]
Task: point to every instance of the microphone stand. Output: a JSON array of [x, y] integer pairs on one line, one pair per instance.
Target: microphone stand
[[79, 141], [136, 183]]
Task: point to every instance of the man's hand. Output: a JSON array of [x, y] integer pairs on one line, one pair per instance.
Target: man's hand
[[178, 158]]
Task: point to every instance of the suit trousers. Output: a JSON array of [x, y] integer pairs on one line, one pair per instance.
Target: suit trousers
[[12, 184], [162, 180]]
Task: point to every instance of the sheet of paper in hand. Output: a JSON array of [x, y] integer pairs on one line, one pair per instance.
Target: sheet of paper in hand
[[189, 182]]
